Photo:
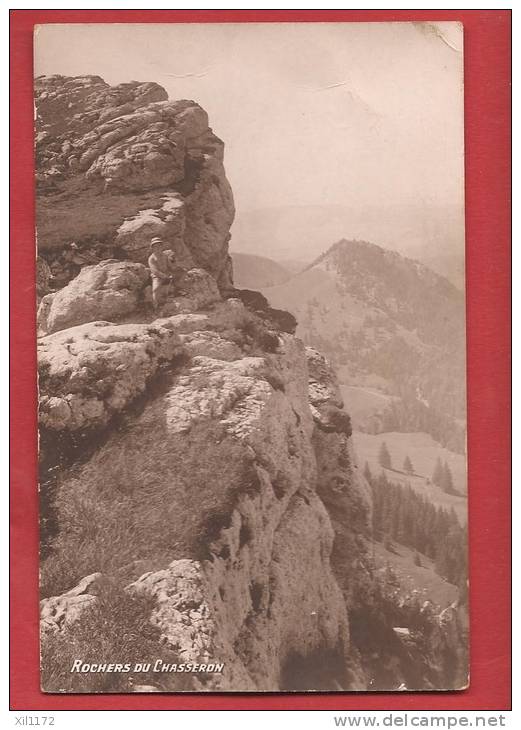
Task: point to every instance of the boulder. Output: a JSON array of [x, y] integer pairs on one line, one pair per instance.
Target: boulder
[[90, 372], [105, 291], [179, 593], [59, 612]]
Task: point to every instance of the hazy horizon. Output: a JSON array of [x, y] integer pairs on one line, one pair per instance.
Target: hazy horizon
[[311, 114]]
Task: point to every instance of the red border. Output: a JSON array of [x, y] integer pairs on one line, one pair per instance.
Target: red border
[[488, 209]]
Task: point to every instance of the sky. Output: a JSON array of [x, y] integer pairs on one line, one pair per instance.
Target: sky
[[349, 114]]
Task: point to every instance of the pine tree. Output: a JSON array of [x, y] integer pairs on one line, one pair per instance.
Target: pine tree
[[384, 457], [447, 483], [437, 476], [407, 465]]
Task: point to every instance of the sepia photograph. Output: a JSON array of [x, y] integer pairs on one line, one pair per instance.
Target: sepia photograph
[[251, 357]]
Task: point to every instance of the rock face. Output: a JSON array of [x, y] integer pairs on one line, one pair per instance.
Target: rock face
[[218, 439], [343, 490], [157, 164], [252, 586]]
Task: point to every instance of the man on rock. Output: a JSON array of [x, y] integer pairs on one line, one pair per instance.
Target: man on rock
[[161, 269]]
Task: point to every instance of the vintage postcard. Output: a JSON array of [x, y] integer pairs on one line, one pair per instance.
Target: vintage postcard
[[251, 351]]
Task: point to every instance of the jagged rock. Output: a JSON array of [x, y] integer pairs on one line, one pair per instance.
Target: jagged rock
[[323, 383], [104, 291], [157, 164], [167, 222], [253, 300], [179, 593], [210, 389], [341, 486], [199, 290], [284, 321], [227, 317], [90, 372], [60, 612], [210, 344], [66, 103]]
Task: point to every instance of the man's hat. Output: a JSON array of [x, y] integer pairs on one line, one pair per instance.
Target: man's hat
[[155, 240]]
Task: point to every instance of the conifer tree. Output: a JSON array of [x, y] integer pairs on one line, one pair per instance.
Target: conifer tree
[[447, 482], [384, 457], [407, 465]]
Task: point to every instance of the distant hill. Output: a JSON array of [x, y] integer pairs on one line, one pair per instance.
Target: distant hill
[[257, 272], [433, 234], [390, 325]]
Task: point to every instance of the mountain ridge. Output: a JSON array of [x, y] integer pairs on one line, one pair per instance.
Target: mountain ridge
[[385, 321], [432, 234]]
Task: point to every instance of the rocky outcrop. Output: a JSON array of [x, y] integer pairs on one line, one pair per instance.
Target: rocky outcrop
[[59, 612], [199, 290], [111, 290], [252, 585], [89, 373], [341, 487], [107, 290], [156, 163]]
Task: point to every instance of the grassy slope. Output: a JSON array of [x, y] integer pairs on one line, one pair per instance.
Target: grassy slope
[[423, 452], [144, 499], [412, 577]]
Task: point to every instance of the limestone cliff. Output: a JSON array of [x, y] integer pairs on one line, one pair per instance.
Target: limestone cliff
[[118, 165], [222, 448], [197, 469]]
